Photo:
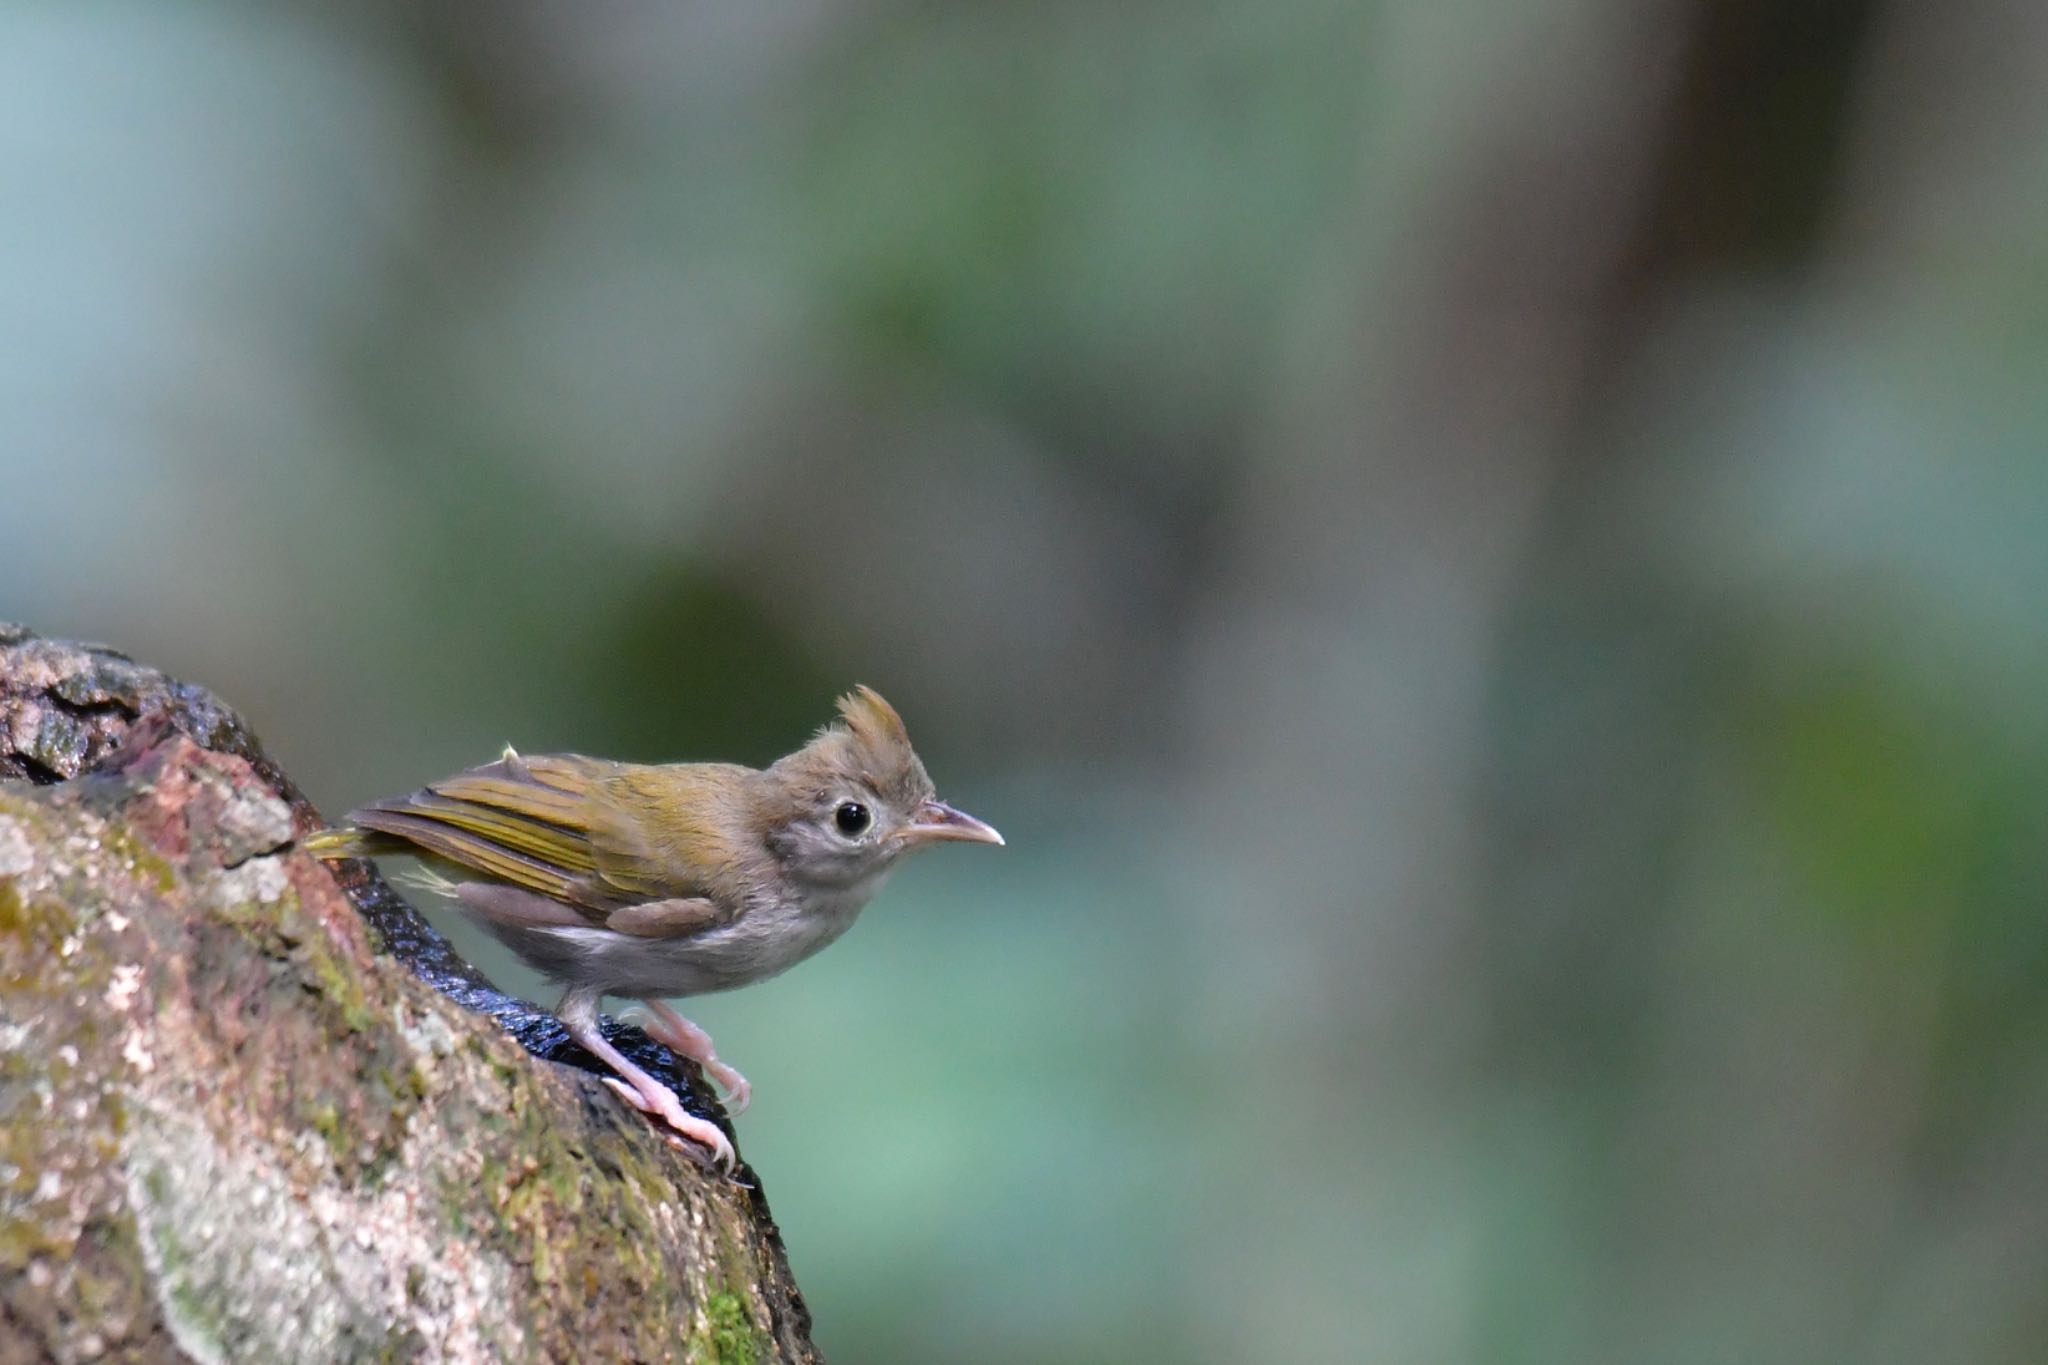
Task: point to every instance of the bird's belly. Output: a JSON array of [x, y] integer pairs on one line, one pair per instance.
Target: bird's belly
[[765, 940]]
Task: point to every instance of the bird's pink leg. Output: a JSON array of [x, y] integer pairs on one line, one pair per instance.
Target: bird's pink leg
[[684, 1038], [578, 1013]]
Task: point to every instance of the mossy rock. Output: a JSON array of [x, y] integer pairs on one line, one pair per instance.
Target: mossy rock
[[233, 1126]]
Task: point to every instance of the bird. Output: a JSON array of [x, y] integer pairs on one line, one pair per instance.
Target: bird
[[654, 881]]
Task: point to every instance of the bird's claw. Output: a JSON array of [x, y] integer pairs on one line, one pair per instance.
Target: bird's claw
[[670, 1110], [739, 1091]]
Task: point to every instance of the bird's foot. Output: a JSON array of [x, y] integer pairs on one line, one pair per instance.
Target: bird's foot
[[663, 1104], [685, 1039]]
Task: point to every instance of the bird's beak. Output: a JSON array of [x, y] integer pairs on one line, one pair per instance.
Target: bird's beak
[[936, 821]]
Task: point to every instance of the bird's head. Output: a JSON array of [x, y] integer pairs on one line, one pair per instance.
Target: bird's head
[[840, 811]]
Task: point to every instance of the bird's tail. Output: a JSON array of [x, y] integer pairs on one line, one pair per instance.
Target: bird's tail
[[349, 842]]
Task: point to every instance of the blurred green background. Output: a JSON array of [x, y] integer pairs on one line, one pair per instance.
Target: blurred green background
[[1488, 559]]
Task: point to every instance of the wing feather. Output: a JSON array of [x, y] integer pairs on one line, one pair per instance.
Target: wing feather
[[543, 839], [459, 846], [577, 829], [526, 821]]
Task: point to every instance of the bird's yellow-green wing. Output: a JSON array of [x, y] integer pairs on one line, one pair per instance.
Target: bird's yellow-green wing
[[595, 835], [526, 821]]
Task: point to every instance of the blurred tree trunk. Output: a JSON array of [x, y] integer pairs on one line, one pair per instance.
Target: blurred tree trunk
[[251, 1107]]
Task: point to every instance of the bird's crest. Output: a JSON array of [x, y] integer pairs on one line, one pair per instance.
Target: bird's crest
[[873, 722], [869, 740]]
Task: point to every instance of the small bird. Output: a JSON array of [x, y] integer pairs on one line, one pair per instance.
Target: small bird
[[675, 879]]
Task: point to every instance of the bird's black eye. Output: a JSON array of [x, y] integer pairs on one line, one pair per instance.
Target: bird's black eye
[[852, 818]]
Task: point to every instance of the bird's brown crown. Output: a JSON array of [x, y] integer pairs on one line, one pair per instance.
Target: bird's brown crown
[[869, 743]]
